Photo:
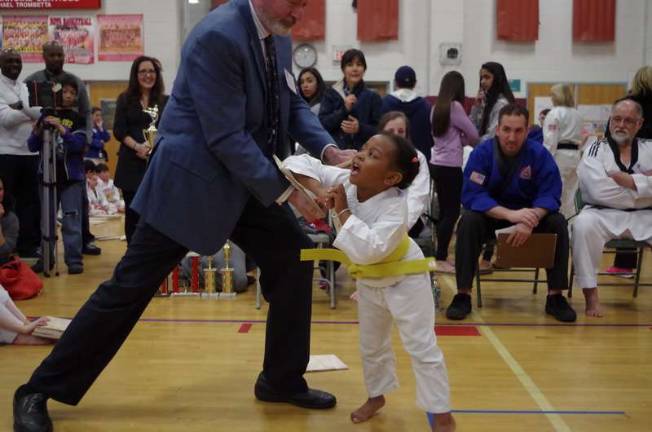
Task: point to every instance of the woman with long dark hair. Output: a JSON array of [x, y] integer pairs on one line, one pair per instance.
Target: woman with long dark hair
[[311, 88], [452, 130], [145, 90], [349, 110], [494, 93]]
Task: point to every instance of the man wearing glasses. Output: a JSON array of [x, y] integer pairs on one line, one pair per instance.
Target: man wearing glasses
[[615, 178]]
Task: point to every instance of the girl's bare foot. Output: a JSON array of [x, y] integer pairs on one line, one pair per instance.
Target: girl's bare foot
[[486, 267], [443, 423], [31, 340], [366, 411], [593, 308]]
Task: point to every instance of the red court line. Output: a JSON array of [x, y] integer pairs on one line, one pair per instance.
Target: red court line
[[456, 330], [244, 328]]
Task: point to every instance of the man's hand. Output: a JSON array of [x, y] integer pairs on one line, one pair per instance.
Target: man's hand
[[525, 216], [349, 101], [623, 179], [519, 236], [350, 126], [304, 206], [336, 156]]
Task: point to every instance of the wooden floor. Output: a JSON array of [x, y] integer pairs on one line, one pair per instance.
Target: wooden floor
[[186, 366]]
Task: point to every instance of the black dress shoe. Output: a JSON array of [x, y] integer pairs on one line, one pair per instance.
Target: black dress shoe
[[315, 399], [31, 412], [91, 249]]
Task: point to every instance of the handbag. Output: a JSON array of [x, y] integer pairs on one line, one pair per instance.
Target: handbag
[[19, 280]]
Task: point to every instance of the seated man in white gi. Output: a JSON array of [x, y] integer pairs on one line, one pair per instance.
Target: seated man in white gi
[[615, 177]]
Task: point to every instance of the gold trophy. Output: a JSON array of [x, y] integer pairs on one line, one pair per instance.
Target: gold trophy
[[210, 278], [227, 272], [151, 131]]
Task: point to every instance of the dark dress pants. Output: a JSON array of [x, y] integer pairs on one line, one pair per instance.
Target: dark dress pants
[[270, 235], [475, 228], [131, 216]]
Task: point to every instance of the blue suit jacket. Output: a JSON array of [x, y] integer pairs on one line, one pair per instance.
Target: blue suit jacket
[[212, 153]]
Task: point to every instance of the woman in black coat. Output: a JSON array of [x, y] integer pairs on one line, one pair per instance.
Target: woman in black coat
[[349, 110], [146, 90]]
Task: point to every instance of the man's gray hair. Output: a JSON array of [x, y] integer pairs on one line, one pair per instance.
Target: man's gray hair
[[637, 106]]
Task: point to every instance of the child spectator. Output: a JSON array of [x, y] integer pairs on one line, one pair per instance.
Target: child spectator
[[96, 150], [107, 188], [69, 139]]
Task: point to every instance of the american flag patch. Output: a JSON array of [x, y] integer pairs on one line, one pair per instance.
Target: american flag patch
[[526, 173], [477, 177]]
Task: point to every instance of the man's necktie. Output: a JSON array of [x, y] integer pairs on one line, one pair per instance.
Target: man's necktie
[[273, 103]]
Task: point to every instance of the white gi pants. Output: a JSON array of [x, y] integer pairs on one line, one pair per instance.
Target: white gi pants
[[409, 303], [6, 336], [592, 229], [567, 161]]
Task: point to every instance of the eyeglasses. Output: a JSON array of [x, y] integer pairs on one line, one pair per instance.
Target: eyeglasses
[[147, 72], [627, 121]]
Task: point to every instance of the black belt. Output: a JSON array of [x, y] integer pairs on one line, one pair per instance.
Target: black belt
[[567, 145], [599, 207]]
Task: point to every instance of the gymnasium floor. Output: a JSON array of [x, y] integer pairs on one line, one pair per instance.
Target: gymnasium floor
[[190, 364]]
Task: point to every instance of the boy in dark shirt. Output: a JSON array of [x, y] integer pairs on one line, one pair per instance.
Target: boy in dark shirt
[[69, 139]]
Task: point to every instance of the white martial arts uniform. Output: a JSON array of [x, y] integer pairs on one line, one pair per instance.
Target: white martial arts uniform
[[612, 211], [564, 125], [7, 336], [372, 232]]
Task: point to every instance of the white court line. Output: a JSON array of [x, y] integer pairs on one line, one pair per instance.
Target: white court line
[[535, 393]]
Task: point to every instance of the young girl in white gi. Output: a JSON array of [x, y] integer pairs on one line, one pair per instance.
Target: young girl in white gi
[[15, 328], [372, 210]]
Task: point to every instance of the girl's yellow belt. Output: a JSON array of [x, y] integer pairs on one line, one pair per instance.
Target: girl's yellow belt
[[390, 266]]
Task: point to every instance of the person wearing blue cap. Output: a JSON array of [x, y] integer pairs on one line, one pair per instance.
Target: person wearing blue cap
[[416, 108]]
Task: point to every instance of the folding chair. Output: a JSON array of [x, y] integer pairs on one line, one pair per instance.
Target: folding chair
[[538, 252], [612, 247]]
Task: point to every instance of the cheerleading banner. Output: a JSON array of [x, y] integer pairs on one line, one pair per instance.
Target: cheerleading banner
[[120, 37], [76, 35], [25, 34]]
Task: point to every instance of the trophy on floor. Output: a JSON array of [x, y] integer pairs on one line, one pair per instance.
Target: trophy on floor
[[227, 272], [151, 131], [210, 279]]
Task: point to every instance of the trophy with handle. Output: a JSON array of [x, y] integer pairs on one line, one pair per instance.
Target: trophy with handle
[[151, 131], [227, 272], [210, 279]]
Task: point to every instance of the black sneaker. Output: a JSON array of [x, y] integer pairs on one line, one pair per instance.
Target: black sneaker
[[459, 308], [91, 249], [557, 306], [74, 269]]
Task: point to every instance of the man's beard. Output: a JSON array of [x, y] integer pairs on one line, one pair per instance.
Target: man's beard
[[621, 138], [277, 27]]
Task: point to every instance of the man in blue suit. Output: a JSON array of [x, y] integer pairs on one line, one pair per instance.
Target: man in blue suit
[[211, 177]]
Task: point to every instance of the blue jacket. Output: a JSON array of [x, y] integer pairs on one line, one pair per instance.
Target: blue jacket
[[212, 154], [535, 181], [367, 110], [418, 113], [71, 146], [96, 149]]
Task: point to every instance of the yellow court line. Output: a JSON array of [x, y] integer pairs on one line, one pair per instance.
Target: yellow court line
[[533, 390]]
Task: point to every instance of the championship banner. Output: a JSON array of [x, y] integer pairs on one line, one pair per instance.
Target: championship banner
[[76, 35], [121, 37], [50, 4], [25, 34]]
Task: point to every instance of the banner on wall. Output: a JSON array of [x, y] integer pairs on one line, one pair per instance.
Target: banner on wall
[[120, 37], [77, 35], [26, 34], [50, 4]]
